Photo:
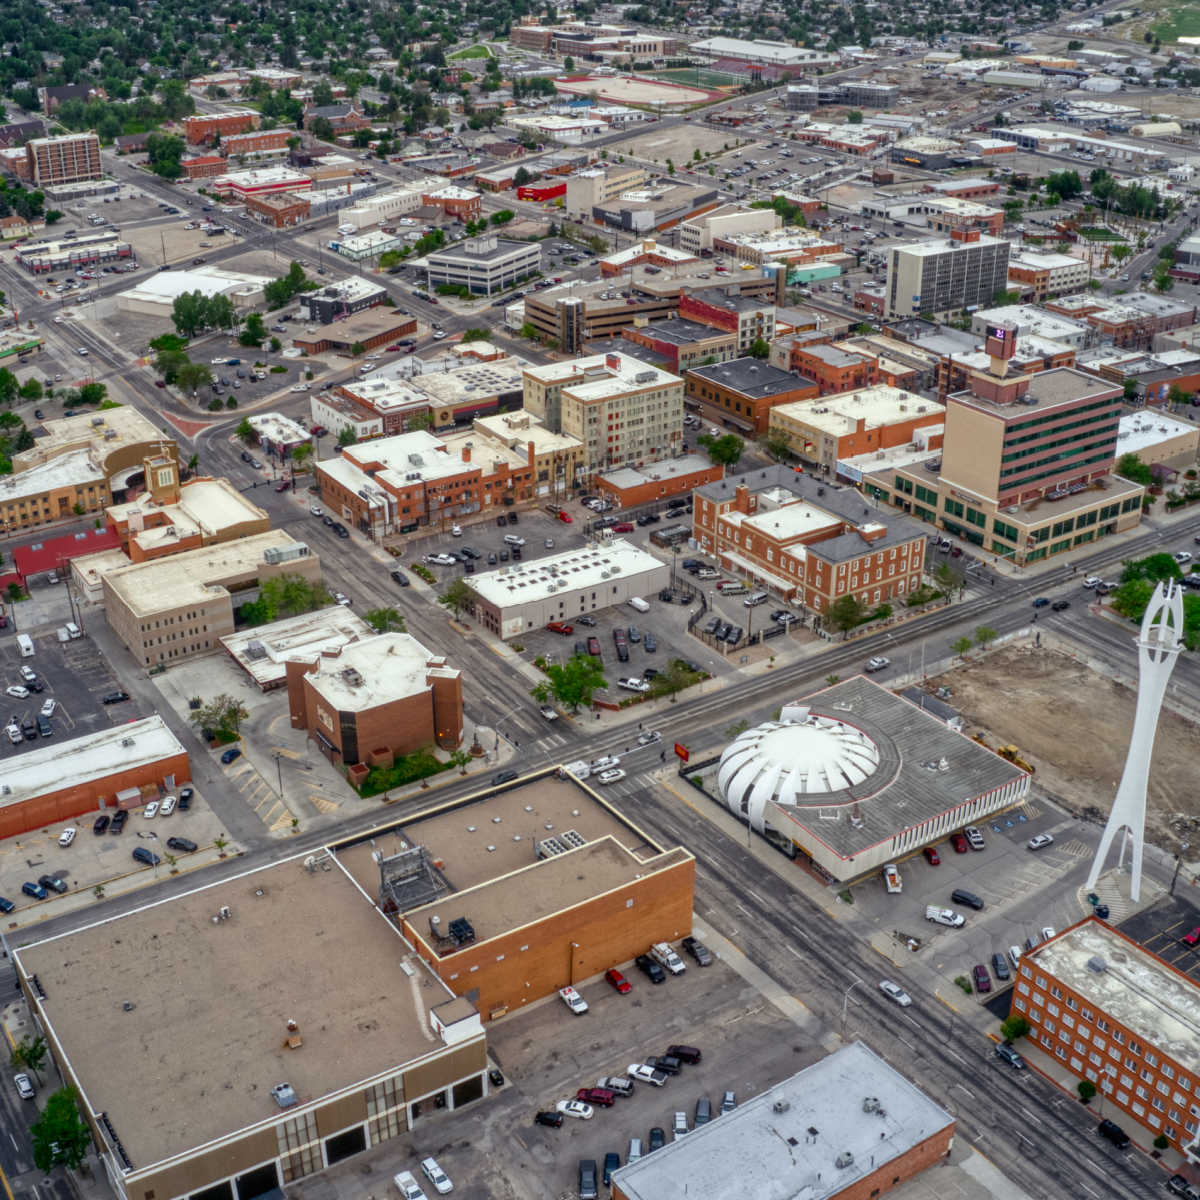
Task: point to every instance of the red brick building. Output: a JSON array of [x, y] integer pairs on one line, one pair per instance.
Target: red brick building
[[832, 368], [279, 209], [256, 141], [368, 703], [746, 389], [808, 542], [540, 192], [965, 189], [631, 486], [203, 129], [454, 201], [206, 167]]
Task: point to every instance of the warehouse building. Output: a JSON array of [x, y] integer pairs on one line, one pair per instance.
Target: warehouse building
[[848, 1127], [515, 599], [47, 255], [277, 1056], [121, 766], [155, 294], [369, 328]]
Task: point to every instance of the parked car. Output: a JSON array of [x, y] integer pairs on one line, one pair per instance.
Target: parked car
[[650, 968], [698, 950], [598, 1096], [1040, 841], [142, 855], [1112, 1132], [587, 1179], [687, 1054], [436, 1176], [35, 890], [230, 754], [575, 1108], [573, 1000], [983, 981], [931, 856], [894, 992], [644, 1073], [24, 1086], [185, 845], [658, 1139], [67, 836], [100, 824], [618, 981], [408, 1187], [553, 1119], [1005, 1052], [114, 697]]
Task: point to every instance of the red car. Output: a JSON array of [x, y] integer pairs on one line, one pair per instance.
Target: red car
[[931, 856], [1190, 939], [623, 527], [621, 983], [959, 843], [560, 627], [983, 981], [601, 1096], [395, 348], [565, 517], [282, 485], [162, 383]]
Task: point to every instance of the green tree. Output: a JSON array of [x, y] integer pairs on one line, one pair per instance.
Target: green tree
[[1162, 277], [60, 1136], [477, 334], [254, 333], [674, 679], [1014, 1027], [760, 348], [347, 437], [522, 177], [1121, 251], [290, 595], [29, 1054], [31, 389], [245, 431], [357, 350], [948, 579], [960, 646], [457, 596], [460, 759], [321, 128], [192, 375], [9, 386], [1086, 1089], [777, 444], [189, 313], [322, 94], [573, 682], [169, 362], [93, 393], [389, 259], [985, 635], [723, 449], [845, 613], [854, 118], [301, 454], [568, 63], [385, 620], [1130, 467], [165, 151], [222, 716]]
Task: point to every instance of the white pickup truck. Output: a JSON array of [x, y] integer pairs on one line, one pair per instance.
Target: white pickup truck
[[891, 878], [573, 1000], [662, 954], [943, 916]]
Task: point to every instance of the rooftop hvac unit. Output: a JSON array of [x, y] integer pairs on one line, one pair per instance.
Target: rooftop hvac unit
[[97, 421], [1097, 964], [127, 741], [285, 1095], [843, 1160], [255, 650]]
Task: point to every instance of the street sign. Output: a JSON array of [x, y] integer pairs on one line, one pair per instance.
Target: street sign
[[681, 752]]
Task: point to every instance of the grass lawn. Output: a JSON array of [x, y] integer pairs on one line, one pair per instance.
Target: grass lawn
[[476, 51], [699, 76], [1095, 233], [1183, 20]]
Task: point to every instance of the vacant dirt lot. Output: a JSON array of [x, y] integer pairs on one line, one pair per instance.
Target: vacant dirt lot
[[1073, 726]]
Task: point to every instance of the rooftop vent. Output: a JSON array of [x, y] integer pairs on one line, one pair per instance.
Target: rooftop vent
[[1097, 964], [285, 1095]]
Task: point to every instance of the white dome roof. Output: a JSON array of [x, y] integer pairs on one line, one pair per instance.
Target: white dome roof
[[798, 761]]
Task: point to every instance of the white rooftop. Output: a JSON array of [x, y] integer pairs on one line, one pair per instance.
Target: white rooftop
[[570, 571], [946, 245], [1029, 319], [399, 458], [878, 405], [384, 394], [599, 375], [164, 287], [669, 468], [1140, 430], [1155, 1003], [56, 766], [647, 246], [259, 177], [517, 429], [785, 1143], [207, 505], [375, 671], [275, 427], [1043, 259], [71, 469]]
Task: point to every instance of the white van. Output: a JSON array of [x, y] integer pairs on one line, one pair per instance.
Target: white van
[[62, 634], [636, 602], [25, 645], [755, 599], [580, 769], [73, 630], [514, 539]]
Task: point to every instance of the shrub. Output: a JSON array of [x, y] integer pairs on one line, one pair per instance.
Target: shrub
[[418, 765], [964, 983]]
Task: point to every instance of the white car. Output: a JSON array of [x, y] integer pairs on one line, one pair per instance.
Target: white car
[[436, 1176], [1090, 581], [67, 836], [437, 337], [602, 764], [943, 916], [408, 1187], [1047, 932], [300, 387], [48, 707], [644, 1074], [574, 1108], [573, 1000], [167, 807], [342, 599], [318, 511], [876, 664], [151, 809], [19, 692], [893, 991], [1183, 556], [633, 685], [549, 713], [456, 531], [615, 775], [28, 673], [1042, 839], [441, 560], [651, 735]]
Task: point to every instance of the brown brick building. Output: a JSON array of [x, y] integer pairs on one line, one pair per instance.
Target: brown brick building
[[74, 158], [746, 389], [255, 141], [204, 128], [205, 167], [806, 540], [367, 703], [280, 209]]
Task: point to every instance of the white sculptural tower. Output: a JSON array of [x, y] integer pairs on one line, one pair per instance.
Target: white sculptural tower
[[1159, 644]]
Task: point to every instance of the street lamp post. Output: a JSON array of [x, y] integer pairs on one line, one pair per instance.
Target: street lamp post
[[1178, 859], [846, 1001]]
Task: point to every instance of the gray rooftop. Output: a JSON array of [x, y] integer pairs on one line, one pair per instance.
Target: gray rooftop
[[1047, 389], [909, 786], [728, 296], [752, 377], [681, 332], [850, 1102]]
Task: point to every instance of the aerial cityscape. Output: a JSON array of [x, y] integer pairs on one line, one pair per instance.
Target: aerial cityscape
[[600, 601]]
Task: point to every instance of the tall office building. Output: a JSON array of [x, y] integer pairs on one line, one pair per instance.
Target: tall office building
[[945, 276], [70, 159]]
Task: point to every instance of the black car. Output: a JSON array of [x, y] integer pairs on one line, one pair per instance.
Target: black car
[[186, 845], [1112, 1132], [470, 552], [587, 1179], [6, 906], [612, 1161], [142, 855], [496, 1078], [511, 518], [341, 530], [734, 635], [114, 697], [53, 882], [245, 456], [328, 521], [650, 969], [500, 520], [698, 950], [658, 1139], [100, 824], [118, 821], [35, 685], [962, 896], [44, 727], [1000, 967], [553, 1119], [687, 1054], [400, 577], [668, 1064], [1059, 605], [503, 777]]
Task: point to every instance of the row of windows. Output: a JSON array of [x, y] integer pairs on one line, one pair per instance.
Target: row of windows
[[1073, 439], [1041, 420], [1030, 472]]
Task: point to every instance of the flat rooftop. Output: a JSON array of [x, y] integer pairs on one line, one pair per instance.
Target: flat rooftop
[[109, 430], [876, 406], [947, 246], [71, 468], [517, 429], [480, 250], [148, 587], [588, 567], [368, 323], [1140, 430], [194, 1055], [478, 381], [751, 377], [277, 427], [378, 670], [206, 505], [1150, 998], [263, 652], [669, 468], [165, 287], [1047, 389], [487, 848], [784, 1143], [52, 767], [418, 453]]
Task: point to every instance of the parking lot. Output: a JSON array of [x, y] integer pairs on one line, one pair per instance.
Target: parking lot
[[1162, 927]]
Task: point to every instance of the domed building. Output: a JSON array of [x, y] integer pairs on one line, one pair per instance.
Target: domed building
[[855, 776]]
